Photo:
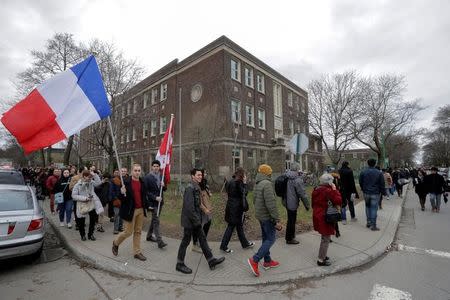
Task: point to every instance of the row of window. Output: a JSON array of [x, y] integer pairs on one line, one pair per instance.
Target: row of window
[[131, 132], [131, 107], [249, 115], [248, 76]]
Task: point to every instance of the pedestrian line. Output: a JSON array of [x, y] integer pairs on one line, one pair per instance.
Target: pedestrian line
[[424, 251], [381, 292]]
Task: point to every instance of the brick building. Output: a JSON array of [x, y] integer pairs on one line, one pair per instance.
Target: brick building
[[357, 158], [230, 108]]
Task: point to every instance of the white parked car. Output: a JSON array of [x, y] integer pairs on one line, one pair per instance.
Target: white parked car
[[21, 222]]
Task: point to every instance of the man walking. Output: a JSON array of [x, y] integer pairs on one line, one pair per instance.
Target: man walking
[[294, 191], [371, 181], [434, 185], [50, 184], [267, 214], [132, 210], [191, 223], [347, 188], [154, 185]]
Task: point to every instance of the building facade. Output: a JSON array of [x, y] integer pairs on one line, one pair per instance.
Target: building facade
[[230, 109]]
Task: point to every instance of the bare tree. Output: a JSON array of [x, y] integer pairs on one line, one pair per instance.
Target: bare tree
[[61, 52], [386, 112], [437, 150], [402, 148], [334, 104], [119, 74]]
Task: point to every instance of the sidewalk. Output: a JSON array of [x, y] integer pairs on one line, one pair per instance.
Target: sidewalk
[[357, 246]]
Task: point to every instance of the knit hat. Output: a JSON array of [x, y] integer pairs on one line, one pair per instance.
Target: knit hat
[[326, 179], [265, 169]]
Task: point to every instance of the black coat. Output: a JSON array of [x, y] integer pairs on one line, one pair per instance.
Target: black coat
[[434, 183], [62, 185], [420, 187], [102, 191], [191, 212], [153, 190], [237, 201], [347, 186], [127, 205]]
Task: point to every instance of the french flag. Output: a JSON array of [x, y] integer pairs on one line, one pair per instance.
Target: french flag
[[60, 107]]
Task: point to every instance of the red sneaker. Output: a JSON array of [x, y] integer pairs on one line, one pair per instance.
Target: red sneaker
[[253, 266], [271, 264]]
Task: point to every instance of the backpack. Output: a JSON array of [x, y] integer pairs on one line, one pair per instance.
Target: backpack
[[281, 185]]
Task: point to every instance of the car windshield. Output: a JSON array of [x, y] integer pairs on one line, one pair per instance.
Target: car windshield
[[11, 177], [15, 200]]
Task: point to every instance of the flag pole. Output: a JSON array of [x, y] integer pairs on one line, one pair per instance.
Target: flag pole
[[115, 150], [165, 164]]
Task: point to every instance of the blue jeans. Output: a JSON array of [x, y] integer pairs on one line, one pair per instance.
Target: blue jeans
[[435, 200], [268, 239], [371, 208], [65, 208], [118, 223]]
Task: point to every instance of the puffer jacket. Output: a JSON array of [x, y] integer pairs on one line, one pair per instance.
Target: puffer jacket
[[82, 190], [264, 199]]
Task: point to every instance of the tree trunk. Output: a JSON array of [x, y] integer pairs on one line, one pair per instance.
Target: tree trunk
[[68, 150], [49, 155]]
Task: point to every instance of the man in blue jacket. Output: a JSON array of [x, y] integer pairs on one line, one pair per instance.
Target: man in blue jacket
[[371, 181]]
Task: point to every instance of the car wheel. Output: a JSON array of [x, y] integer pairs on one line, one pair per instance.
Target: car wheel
[[35, 256]]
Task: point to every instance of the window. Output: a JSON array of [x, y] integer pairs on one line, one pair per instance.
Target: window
[[235, 111], [297, 104], [153, 128], [122, 138], [291, 127], [316, 146], [123, 111], [249, 77], [128, 135], [135, 104], [237, 160], [163, 91], [145, 99], [303, 106], [196, 158], [277, 99], [129, 104], [261, 119], [251, 156], [260, 83], [355, 155], [290, 99], [162, 125], [236, 70], [154, 96], [250, 115], [133, 135], [145, 130]]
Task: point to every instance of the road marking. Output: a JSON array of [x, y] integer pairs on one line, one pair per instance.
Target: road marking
[[424, 251], [381, 292]]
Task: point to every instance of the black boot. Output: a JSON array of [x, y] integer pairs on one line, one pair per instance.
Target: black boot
[[181, 267], [214, 262]]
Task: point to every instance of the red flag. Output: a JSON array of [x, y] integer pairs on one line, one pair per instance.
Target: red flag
[[164, 154]]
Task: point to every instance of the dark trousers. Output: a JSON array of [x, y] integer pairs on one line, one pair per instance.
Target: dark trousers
[[229, 232], [205, 229], [110, 210], [290, 226], [187, 235], [81, 222], [154, 227]]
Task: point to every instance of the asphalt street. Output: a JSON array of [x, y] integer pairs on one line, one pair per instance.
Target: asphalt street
[[417, 267]]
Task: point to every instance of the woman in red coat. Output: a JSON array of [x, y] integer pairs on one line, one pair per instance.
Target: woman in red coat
[[326, 190]]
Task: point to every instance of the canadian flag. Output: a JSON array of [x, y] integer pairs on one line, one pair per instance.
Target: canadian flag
[[165, 152]]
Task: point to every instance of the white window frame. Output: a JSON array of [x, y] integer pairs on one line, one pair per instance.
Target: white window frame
[[122, 138], [129, 108], [239, 156], [162, 121], [153, 128], [303, 106], [261, 118], [133, 134], [291, 127], [290, 99], [277, 100], [236, 104], [260, 84], [163, 91], [248, 73], [135, 104], [235, 69], [154, 96], [250, 115], [128, 135], [145, 130], [145, 100], [123, 111]]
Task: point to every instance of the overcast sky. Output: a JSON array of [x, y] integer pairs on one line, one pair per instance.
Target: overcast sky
[[301, 39]]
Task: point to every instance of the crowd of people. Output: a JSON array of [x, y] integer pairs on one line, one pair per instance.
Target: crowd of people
[[126, 199]]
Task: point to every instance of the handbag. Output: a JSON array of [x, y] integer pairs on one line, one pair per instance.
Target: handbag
[[59, 197], [445, 198], [85, 206], [205, 203], [333, 215]]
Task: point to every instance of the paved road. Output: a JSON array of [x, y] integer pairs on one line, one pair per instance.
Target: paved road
[[419, 270]]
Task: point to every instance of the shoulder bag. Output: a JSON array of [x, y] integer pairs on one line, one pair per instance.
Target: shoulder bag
[[333, 215], [59, 197]]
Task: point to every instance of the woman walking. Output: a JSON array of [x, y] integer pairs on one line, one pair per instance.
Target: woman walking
[[325, 192], [66, 206], [234, 212], [421, 189], [205, 213], [87, 203]]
